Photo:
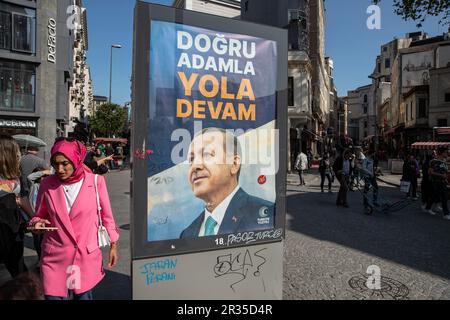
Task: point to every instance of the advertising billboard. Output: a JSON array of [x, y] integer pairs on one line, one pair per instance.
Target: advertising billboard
[[207, 130]]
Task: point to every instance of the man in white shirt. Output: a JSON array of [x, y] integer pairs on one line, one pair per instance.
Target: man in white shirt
[[215, 164]]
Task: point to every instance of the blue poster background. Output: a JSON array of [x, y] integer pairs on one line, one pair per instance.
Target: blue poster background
[[169, 216]]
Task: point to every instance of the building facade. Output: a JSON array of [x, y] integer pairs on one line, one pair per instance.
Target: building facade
[[35, 68], [362, 113], [224, 8], [309, 91], [97, 101], [81, 90]]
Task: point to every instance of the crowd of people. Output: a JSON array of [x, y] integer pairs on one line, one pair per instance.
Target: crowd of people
[[56, 202], [354, 167]]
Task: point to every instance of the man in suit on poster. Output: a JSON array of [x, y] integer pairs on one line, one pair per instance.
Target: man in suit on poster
[[215, 164]]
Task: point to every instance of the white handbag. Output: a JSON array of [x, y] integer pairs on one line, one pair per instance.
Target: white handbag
[[102, 233]]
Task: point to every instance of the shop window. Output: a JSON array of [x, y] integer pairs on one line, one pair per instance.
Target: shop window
[[17, 86]]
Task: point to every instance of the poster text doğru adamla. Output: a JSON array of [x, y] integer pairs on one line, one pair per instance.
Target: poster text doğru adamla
[[239, 105]]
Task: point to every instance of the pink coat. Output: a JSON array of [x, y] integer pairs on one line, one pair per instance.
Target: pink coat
[[73, 249]]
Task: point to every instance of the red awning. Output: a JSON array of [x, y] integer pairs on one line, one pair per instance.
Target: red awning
[[443, 130], [121, 140], [430, 145]]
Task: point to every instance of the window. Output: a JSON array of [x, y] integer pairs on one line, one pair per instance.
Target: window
[[442, 122], [411, 111], [23, 33], [379, 67], [388, 79], [387, 63], [384, 49], [17, 86], [5, 30], [291, 91], [17, 28], [447, 97], [365, 110], [365, 124], [422, 108], [365, 98]]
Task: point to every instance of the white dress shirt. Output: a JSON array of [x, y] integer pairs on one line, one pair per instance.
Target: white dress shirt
[[217, 213], [71, 192]]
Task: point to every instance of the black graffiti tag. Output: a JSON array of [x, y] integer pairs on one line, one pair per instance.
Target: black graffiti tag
[[241, 265]]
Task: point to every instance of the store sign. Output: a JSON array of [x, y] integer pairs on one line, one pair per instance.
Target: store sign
[[51, 40], [17, 123]]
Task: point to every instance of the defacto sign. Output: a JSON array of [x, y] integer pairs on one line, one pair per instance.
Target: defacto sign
[[51, 57], [17, 123], [209, 145]]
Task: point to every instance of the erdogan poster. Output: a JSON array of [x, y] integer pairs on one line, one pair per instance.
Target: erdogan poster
[[211, 148]]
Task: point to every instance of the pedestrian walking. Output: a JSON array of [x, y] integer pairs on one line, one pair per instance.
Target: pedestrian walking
[[34, 180], [68, 215], [310, 157], [301, 164], [369, 170], [31, 161], [438, 174], [426, 185], [13, 199], [326, 171], [411, 173], [342, 168]]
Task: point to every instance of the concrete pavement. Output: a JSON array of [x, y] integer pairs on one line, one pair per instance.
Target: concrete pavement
[[327, 249]]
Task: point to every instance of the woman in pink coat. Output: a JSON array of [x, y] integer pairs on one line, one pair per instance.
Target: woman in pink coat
[[66, 213]]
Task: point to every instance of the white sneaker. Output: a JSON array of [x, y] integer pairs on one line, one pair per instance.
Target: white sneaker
[[431, 212], [447, 217]]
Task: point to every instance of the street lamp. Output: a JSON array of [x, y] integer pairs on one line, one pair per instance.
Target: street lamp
[[114, 46]]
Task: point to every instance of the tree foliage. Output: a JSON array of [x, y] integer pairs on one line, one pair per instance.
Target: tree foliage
[[418, 10], [109, 120]]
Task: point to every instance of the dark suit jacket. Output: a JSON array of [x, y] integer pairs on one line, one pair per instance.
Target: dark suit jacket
[[244, 213]]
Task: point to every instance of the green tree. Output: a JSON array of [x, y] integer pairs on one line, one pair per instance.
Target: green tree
[[109, 120], [418, 10]]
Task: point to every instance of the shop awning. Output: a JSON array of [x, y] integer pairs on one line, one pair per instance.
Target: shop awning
[[430, 145], [443, 131], [112, 140]]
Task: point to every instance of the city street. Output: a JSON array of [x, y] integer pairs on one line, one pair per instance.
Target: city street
[[327, 249]]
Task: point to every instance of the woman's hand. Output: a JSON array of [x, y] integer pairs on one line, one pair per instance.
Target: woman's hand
[[113, 256], [39, 226]]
